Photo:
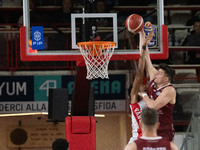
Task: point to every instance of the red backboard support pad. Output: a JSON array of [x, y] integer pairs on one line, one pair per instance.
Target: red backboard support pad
[[36, 57], [81, 132]]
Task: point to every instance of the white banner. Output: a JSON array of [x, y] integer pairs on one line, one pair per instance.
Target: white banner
[[110, 105], [42, 106]]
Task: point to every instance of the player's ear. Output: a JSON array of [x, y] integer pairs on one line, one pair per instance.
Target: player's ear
[[157, 125], [166, 79]]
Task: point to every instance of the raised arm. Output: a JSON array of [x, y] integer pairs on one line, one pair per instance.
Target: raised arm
[[140, 72], [151, 70]]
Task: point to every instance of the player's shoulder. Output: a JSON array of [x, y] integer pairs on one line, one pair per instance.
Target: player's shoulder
[[131, 146], [170, 92], [170, 89]]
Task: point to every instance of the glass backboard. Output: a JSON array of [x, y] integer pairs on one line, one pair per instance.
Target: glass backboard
[[87, 27]]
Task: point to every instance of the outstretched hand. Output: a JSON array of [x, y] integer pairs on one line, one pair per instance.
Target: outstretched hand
[[148, 38]]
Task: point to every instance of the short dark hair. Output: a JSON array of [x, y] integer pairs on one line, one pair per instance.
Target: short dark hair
[[149, 116], [60, 144], [196, 19], [169, 72]]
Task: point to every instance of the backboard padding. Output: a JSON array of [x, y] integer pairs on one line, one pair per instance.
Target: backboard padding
[[161, 52], [117, 56]]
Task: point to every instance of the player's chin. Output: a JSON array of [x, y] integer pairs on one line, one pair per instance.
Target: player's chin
[[156, 81]]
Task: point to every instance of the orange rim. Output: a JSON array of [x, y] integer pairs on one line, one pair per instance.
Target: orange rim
[[98, 45]]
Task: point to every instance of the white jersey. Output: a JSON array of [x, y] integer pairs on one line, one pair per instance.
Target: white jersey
[[136, 110]]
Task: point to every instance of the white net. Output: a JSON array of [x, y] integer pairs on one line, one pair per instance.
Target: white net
[[97, 56]]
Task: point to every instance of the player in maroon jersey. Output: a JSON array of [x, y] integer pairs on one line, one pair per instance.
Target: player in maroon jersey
[[161, 95], [136, 104], [150, 140]]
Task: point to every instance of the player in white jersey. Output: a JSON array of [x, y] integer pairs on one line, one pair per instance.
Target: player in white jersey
[[136, 109], [136, 104]]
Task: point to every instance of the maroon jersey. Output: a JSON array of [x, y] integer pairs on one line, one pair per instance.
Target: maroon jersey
[[152, 143], [166, 128]]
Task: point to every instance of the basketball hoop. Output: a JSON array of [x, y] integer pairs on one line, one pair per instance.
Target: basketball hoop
[[97, 55]]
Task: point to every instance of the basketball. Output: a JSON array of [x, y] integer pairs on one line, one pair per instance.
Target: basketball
[[134, 23]]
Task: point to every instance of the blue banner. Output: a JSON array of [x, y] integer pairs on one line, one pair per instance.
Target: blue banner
[[36, 88], [113, 88], [37, 37], [147, 29], [16, 88]]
